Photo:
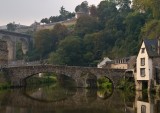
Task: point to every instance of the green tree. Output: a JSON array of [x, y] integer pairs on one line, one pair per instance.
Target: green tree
[[93, 10], [63, 13], [146, 6], [60, 31], [43, 42], [86, 24], [83, 7], [124, 6], [45, 20], [106, 10], [151, 29], [69, 52], [11, 27]]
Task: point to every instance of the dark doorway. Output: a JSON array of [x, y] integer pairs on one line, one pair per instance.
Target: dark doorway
[[144, 85], [157, 76]]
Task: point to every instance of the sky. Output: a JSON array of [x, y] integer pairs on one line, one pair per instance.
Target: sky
[[27, 12]]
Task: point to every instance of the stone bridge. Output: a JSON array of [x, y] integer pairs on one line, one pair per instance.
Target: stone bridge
[[12, 38], [83, 76]]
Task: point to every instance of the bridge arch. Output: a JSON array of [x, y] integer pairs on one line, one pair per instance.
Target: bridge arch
[[25, 45], [84, 76], [110, 80], [14, 38]]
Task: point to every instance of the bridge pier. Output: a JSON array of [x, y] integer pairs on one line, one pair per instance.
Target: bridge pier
[[18, 82], [87, 80]]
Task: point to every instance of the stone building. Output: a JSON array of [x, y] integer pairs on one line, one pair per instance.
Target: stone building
[[3, 53]]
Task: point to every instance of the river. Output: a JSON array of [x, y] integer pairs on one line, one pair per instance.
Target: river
[[52, 99]]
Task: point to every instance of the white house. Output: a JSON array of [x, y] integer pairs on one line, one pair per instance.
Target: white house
[[103, 62], [148, 62]]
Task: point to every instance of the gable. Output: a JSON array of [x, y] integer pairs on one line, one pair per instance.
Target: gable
[[143, 46]]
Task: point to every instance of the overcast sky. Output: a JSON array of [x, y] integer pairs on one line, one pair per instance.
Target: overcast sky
[[26, 12]]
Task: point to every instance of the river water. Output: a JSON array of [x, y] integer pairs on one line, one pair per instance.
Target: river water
[[51, 99]]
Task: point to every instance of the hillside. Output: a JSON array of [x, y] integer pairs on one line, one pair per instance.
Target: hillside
[[107, 31]]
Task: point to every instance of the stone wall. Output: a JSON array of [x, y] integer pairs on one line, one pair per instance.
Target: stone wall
[[3, 54]]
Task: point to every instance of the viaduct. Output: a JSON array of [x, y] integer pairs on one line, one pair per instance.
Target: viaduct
[[12, 38]]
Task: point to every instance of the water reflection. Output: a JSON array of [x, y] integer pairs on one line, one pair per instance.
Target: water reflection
[[48, 94], [52, 99], [147, 103], [104, 93]]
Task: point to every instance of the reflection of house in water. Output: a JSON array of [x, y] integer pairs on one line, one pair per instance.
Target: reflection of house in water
[[145, 103], [144, 107]]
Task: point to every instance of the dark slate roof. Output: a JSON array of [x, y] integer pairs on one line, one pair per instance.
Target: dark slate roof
[[151, 47]]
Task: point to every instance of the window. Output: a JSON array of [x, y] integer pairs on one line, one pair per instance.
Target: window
[[143, 50], [143, 109], [142, 72], [142, 61]]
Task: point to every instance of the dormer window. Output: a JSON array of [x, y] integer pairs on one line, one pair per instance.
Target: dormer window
[[142, 50], [153, 47]]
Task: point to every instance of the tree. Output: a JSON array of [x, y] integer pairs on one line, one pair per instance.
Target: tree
[[93, 10], [45, 20], [63, 13], [83, 7], [60, 31], [43, 42], [151, 29], [11, 27], [106, 10], [86, 24], [124, 6], [146, 6], [69, 52]]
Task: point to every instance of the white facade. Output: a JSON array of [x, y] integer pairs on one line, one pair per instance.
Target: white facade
[[119, 66], [103, 62], [147, 65]]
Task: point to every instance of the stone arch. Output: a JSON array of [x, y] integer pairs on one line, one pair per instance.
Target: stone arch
[[110, 80], [129, 74], [60, 77], [25, 45], [105, 94]]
